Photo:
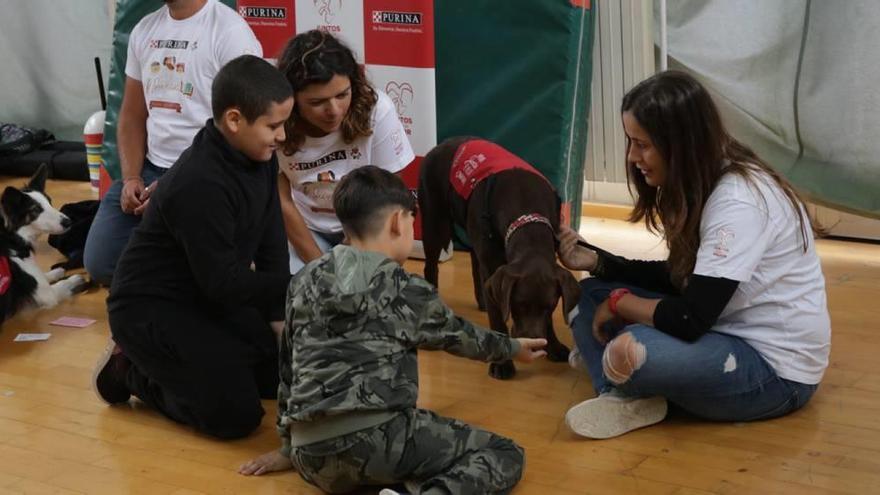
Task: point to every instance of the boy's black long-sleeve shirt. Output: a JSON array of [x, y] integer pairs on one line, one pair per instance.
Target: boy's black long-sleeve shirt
[[212, 215]]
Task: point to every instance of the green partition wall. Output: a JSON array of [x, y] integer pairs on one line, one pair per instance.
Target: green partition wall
[[518, 72]]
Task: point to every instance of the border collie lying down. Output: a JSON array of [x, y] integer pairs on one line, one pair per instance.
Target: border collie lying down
[[27, 213]]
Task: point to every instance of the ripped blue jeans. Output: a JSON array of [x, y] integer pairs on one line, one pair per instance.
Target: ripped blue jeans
[[718, 377]]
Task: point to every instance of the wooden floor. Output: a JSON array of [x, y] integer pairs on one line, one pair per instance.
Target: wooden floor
[[55, 437]]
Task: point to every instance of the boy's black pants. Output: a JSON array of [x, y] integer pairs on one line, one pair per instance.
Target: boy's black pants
[[201, 366]]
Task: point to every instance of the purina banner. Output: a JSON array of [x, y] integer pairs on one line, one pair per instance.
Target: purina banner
[[393, 39]]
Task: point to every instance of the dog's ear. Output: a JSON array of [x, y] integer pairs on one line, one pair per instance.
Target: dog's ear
[[11, 201], [571, 290], [11, 198], [499, 287], [38, 180]]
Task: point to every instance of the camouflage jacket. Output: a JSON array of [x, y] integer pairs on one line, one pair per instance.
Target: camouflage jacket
[[354, 321]]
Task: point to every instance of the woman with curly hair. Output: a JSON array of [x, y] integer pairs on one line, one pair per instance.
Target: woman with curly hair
[[734, 325], [339, 123]]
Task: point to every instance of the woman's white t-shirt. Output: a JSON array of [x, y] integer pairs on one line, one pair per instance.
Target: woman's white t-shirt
[[176, 61], [314, 170], [750, 233]]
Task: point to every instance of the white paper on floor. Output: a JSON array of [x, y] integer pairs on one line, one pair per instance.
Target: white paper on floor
[[32, 337]]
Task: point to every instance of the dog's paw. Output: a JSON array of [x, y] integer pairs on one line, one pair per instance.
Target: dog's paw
[[502, 371], [557, 353], [55, 274], [82, 285], [70, 285]]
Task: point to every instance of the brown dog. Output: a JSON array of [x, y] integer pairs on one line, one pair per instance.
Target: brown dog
[[511, 217]]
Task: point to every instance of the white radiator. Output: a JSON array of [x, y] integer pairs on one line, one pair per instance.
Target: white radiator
[[623, 55]]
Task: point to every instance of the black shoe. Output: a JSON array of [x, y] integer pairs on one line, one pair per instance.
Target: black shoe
[[108, 379]]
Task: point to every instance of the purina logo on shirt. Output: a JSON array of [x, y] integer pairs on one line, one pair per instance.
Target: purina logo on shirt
[[393, 17], [324, 160], [263, 12], [170, 44]]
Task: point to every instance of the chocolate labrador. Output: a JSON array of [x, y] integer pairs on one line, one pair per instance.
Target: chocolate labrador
[[511, 215]]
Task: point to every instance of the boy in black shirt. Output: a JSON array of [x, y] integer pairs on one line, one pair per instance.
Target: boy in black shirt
[[192, 318]]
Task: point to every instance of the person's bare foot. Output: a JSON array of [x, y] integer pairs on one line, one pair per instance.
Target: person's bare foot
[[266, 463]]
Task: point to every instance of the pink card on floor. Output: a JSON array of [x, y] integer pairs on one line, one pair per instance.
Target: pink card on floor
[[70, 321]]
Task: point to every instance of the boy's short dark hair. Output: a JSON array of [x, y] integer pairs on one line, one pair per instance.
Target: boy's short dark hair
[[250, 84], [364, 194]]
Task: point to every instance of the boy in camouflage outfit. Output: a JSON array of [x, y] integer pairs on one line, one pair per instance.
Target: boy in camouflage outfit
[[347, 411]]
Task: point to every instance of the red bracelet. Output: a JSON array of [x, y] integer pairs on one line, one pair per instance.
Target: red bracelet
[[614, 297]]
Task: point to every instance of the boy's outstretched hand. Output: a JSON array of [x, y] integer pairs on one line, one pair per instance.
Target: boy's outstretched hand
[[530, 350], [266, 463]]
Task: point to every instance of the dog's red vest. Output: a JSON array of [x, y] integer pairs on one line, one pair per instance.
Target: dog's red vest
[[476, 160], [5, 275]]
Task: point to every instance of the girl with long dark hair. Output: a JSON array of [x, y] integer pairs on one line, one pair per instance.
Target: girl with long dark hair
[[734, 325]]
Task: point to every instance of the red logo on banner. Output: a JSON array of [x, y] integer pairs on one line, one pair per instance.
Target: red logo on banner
[[402, 95], [327, 9], [399, 33], [272, 21]]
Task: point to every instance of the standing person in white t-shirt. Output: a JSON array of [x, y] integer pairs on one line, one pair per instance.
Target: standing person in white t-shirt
[[173, 56], [339, 123], [734, 325]]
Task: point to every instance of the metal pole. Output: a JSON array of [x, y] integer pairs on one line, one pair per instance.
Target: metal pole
[[664, 50]]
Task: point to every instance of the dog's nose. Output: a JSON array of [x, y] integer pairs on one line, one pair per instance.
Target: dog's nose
[[66, 222]]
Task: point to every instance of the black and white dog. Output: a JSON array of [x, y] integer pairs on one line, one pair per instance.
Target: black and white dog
[[27, 213]]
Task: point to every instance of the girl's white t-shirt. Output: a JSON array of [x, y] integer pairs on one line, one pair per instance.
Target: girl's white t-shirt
[[315, 169], [176, 61], [750, 233]]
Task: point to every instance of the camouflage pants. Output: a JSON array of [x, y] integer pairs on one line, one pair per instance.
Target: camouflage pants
[[418, 447]]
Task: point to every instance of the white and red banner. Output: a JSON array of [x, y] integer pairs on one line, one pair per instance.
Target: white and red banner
[[393, 39]]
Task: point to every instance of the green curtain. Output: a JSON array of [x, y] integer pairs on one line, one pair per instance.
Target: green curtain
[[518, 73]]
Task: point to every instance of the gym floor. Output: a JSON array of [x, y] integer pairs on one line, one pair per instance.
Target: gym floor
[[56, 437]]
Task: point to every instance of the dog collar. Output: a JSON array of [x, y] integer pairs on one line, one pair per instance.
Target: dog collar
[[523, 220]]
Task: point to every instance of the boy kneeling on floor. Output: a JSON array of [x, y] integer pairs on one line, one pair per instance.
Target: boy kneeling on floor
[[198, 294], [347, 411]]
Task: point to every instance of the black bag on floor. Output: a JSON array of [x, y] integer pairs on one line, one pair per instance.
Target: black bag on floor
[[23, 150], [18, 140]]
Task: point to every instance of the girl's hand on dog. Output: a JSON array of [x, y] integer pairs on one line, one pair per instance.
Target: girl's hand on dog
[[266, 463], [530, 350], [571, 255]]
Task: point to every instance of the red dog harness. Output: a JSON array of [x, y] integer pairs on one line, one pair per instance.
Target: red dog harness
[[5, 275], [476, 160]]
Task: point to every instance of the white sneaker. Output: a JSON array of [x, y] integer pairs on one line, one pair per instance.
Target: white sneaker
[[611, 415]]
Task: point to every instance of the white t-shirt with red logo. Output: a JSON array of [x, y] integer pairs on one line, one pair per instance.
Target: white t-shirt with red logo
[[750, 233], [176, 61], [314, 170]]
